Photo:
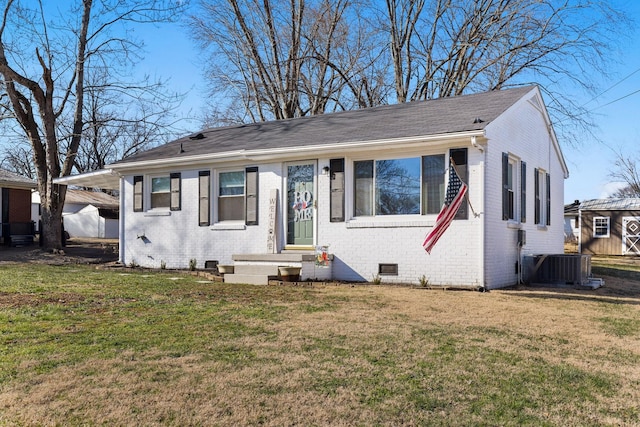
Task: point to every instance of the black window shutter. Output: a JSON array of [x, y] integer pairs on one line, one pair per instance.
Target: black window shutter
[[337, 190], [204, 194], [505, 186], [175, 184], [138, 193], [523, 192], [536, 186], [548, 199], [251, 188], [459, 157]]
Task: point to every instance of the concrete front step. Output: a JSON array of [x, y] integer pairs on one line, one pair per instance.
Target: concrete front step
[[252, 274], [256, 269], [260, 268], [249, 279]]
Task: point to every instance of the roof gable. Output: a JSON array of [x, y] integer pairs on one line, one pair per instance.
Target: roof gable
[[422, 118]]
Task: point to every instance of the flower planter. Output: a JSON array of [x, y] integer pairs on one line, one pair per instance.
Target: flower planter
[[225, 269], [289, 274]]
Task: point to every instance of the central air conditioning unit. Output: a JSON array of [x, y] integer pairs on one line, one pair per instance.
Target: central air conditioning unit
[[559, 269]]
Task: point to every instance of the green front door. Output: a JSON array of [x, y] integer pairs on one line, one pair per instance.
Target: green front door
[[300, 203]]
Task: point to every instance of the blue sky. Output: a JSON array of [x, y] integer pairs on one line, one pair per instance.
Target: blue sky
[[172, 55]]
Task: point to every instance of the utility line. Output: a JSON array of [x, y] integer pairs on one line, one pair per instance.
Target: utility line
[[616, 100], [611, 87]]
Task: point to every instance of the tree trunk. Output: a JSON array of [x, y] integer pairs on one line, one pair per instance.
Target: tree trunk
[[51, 217]]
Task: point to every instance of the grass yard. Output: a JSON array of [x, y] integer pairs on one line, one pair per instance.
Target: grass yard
[[80, 346]]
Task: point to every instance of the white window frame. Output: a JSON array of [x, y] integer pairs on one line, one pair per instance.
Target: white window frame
[[543, 198], [218, 196], [515, 189], [381, 217], [150, 192], [512, 168], [596, 226]]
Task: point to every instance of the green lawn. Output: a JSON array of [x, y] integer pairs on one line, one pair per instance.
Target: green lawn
[[80, 346]]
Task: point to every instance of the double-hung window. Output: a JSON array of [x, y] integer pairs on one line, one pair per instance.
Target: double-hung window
[[160, 195], [542, 184], [165, 192], [514, 188], [231, 196], [601, 226], [238, 196]]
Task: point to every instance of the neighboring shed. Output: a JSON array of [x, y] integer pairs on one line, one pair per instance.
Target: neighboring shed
[[88, 214], [610, 226], [571, 222], [91, 214], [17, 226]]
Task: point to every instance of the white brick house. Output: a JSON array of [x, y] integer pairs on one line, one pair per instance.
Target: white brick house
[[366, 184]]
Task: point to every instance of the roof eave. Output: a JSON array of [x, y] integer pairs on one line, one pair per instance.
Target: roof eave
[[104, 178], [284, 152], [18, 185]]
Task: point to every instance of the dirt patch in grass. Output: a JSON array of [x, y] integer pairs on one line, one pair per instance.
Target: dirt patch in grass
[[14, 300], [76, 251]]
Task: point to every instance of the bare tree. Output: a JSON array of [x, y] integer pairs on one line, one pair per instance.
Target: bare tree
[[626, 170], [450, 47], [119, 124], [288, 58], [400, 22], [277, 59], [18, 159], [45, 55]]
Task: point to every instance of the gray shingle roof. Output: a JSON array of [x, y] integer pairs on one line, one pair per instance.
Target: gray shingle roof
[[626, 204], [422, 118], [95, 198], [10, 179]]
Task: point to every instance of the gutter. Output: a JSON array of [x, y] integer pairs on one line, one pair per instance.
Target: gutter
[[299, 152]]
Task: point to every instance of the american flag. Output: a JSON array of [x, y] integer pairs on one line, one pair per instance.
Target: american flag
[[456, 189]]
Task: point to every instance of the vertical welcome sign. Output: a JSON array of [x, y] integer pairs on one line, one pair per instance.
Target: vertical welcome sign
[[273, 211]]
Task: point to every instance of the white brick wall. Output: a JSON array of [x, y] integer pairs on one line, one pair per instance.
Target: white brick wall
[[521, 131], [174, 238]]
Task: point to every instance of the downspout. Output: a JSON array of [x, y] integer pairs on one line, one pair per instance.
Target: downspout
[[482, 219], [121, 223], [474, 142]]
